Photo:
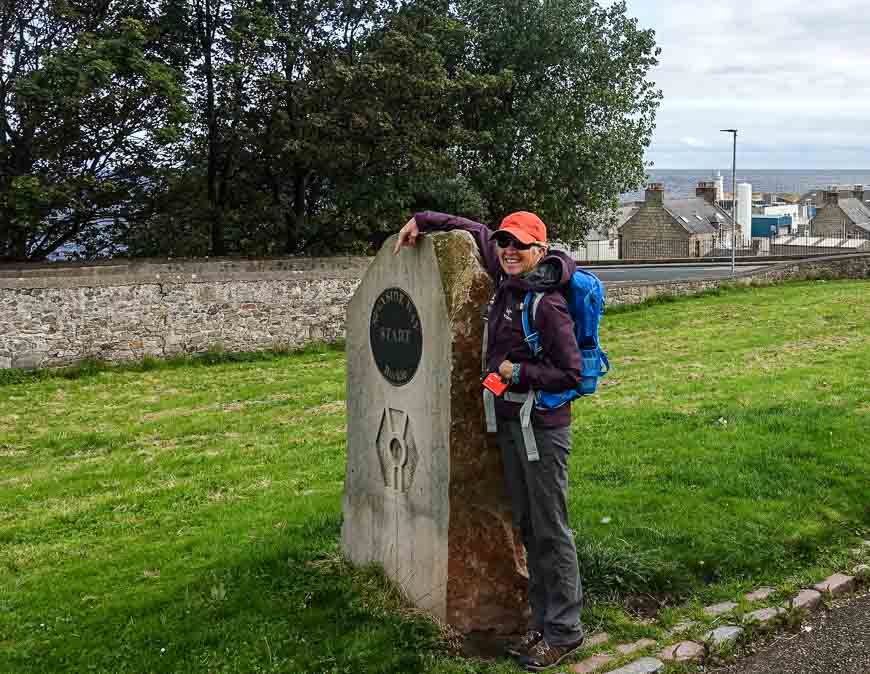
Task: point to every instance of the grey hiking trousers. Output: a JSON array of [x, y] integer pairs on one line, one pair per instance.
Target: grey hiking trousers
[[538, 491]]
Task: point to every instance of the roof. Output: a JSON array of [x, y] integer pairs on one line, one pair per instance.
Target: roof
[[816, 195], [605, 232], [819, 242], [695, 214], [855, 210], [624, 212]]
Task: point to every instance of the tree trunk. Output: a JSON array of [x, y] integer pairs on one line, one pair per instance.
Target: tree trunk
[[217, 225], [296, 222]]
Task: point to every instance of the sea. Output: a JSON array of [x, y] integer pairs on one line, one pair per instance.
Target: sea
[[682, 183]]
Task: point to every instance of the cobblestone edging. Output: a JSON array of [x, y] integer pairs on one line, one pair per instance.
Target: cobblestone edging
[[124, 311], [728, 627]]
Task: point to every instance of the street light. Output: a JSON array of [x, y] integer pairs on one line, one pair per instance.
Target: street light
[[733, 197]]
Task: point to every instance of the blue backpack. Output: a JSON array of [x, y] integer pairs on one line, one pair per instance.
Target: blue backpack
[[585, 296]]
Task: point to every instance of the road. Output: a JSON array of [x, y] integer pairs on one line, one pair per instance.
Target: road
[[664, 272], [833, 642]]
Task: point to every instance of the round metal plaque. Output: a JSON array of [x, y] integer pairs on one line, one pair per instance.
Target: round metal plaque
[[396, 336]]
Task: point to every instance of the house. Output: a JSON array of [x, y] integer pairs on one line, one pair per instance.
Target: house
[[663, 228], [841, 213], [601, 242], [781, 219]]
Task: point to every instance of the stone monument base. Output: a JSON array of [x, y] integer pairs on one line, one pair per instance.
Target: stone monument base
[[424, 491]]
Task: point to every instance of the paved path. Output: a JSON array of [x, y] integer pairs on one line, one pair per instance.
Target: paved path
[[640, 273], [837, 643]]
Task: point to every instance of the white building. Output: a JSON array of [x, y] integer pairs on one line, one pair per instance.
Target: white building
[[744, 210], [799, 213]]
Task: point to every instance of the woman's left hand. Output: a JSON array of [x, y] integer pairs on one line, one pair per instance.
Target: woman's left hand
[[506, 370]]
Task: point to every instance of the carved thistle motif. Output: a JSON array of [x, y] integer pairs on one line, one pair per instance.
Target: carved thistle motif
[[397, 451]]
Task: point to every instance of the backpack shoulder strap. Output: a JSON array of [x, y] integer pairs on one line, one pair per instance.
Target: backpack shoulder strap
[[485, 345], [530, 309], [593, 307], [535, 302]]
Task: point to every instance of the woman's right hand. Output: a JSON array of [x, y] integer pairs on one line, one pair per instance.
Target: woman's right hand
[[407, 236]]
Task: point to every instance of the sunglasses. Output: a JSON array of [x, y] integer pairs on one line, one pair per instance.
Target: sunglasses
[[508, 241]]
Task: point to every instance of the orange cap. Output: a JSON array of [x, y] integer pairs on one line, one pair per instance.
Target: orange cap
[[524, 226]]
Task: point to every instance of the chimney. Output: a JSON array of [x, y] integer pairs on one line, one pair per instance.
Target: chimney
[[831, 195], [858, 193], [707, 190], [655, 193]]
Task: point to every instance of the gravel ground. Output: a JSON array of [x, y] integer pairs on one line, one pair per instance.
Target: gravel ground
[[835, 641]]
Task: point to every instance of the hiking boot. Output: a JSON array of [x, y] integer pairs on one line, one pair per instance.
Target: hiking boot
[[524, 645], [543, 655]]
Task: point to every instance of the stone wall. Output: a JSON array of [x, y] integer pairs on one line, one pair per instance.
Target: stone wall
[[855, 266], [52, 316], [116, 312], [652, 233], [829, 221]]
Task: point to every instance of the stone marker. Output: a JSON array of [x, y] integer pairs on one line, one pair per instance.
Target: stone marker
[[679, 628], [593, 664], [723, 635], [628, 649], [684, 651], [642, 666], [807, 599], [596, 640], [720, 609], [424, 493], [836, 584], [763, 615], [760, 594]]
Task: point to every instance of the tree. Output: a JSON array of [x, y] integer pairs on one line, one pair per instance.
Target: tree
[[570, 134], [368, 108], [82, 104], [310, 126]]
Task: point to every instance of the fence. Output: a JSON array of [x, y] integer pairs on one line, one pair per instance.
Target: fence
[[594, 251], [755, 247]]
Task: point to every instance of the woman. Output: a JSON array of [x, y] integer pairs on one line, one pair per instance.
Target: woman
[[517, 257]]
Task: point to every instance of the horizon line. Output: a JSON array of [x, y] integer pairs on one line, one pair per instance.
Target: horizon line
[[820, 170]]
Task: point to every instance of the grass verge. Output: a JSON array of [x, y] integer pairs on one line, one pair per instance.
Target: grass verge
[[178, 518]]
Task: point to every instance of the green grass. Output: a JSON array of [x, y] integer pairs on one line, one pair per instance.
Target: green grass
[[184, 516]]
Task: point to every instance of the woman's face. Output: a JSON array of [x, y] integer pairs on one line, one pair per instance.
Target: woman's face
[[516, 260]]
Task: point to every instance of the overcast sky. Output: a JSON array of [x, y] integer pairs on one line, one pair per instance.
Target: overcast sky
[[792, 76]]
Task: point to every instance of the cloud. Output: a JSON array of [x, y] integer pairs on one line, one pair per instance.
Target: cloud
[[789, 75], [694, 142]]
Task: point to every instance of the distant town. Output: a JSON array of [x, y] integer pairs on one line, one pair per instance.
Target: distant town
[[835, 219]]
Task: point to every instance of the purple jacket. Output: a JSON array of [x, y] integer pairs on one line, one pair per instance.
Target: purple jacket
[[557, 368]]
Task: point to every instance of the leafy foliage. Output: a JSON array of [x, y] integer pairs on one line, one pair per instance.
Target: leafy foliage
[[83, 104], [197, 127], [570, 134]]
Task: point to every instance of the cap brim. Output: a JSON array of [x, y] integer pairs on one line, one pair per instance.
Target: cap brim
[[518, 234]]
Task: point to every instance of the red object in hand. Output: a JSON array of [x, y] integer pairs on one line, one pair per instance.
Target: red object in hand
[[495, 383]]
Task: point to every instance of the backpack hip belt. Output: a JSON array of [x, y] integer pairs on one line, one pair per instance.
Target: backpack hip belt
[[528, 404]]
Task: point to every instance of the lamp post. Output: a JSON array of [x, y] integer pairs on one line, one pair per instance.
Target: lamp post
[[733, 132]]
